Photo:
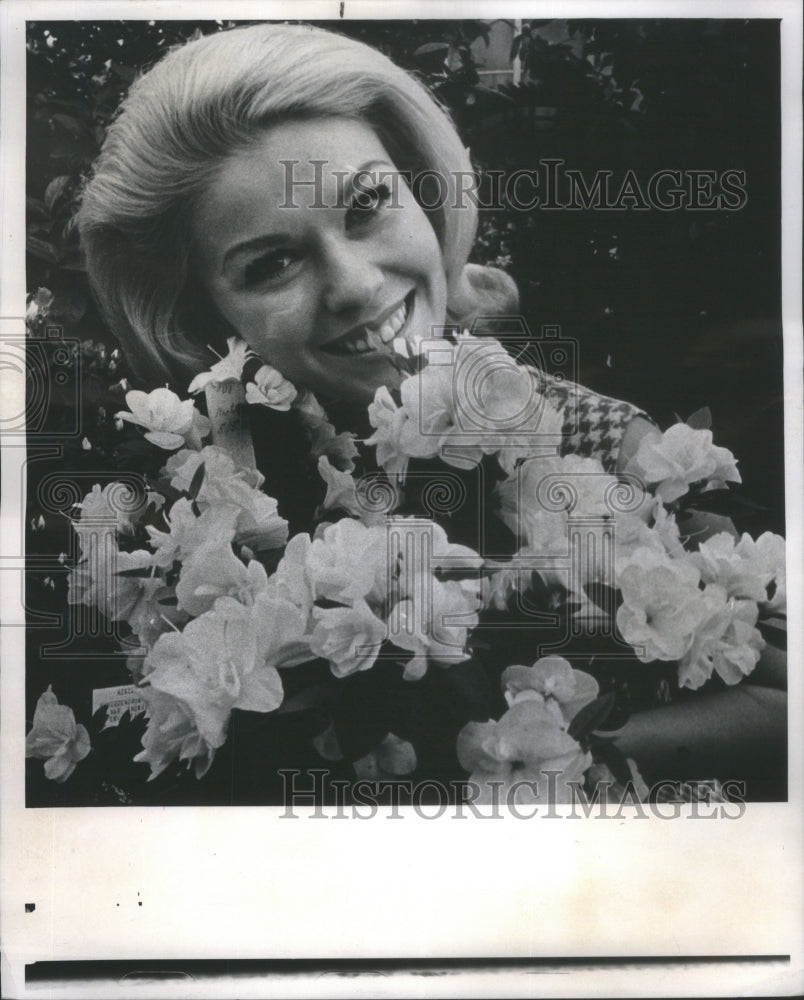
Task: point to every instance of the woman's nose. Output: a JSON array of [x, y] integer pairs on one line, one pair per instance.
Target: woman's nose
[[352, 278]]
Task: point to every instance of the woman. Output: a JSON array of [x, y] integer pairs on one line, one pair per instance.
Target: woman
[[294, 188]]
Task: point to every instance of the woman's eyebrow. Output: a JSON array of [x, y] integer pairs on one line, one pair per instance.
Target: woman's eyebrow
[[265, 242], [366, 168]]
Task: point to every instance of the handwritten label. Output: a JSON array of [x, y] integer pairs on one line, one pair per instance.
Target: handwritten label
[[230, 429], [120, 699]]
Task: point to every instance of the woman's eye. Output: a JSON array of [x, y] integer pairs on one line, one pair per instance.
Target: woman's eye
[[367, 202], [269, 267]]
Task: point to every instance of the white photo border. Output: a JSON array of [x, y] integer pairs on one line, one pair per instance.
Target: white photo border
[[241, 883]]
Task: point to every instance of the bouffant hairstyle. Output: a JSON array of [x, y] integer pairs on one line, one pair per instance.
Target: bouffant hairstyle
[[205, 101]]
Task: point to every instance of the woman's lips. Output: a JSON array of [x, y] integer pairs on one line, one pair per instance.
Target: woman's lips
[[370, 338]]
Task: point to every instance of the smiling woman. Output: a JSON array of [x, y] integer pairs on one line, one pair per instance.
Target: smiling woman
[[321, 284], [276, 219], [214, 116]]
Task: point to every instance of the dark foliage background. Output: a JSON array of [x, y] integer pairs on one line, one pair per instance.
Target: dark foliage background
[[672, 310]]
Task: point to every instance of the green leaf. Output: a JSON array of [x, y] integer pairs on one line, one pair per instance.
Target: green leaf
[[55, 190], [611, 755], [592, 716], [701, 420], [606, 598], [775, 636], [724, 501], [197, 481], [138, 573]]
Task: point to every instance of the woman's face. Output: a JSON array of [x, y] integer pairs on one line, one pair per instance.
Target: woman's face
[[319, 279]]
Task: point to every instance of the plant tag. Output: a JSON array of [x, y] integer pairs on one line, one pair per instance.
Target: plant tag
[[120, 699], [230, 429]]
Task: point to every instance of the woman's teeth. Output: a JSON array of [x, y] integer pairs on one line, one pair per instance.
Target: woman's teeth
[[373, 338]]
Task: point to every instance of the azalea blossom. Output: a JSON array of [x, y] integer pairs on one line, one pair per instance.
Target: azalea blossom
[[214, 571], [770, 551], [734, 564], [113, 504], [347, 561], [434, 623], [291, 580], [170, 422], [282, 630], [661, 606], [389, 420], [350, 638], [725, 642], [683, 455], [612, 791], [553, 681], [228, 369], [189, 531], [509, 760], [270, 388], [390, 758], [219, 470], [56, 738], [258, 524], [96, 580], [171, 734], [215, 665], [341, 489]]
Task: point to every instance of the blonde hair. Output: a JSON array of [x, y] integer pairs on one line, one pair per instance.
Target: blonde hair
[[204, 101]]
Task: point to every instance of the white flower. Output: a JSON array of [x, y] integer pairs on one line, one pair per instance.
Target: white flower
[[96, 581], [661, 606], [113, 504], [271, 389], [341, 488], [427, 548], [348, 561], [188, 532], [258, 524], [725, 642], [526, 742], [552, 680], [350, 638], [170, 422], [56, 738], [219, 471], [434, 623], [391, 757], [770, 552], [214, 571], [291, 580], [389, 420], [171, 735], [611, 790], [736, 566], [214, 666], [228, 369], [282, 631], [680, 457], [429, 403]]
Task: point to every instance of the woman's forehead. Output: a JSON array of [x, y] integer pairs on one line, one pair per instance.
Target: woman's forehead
[[303, 162]]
